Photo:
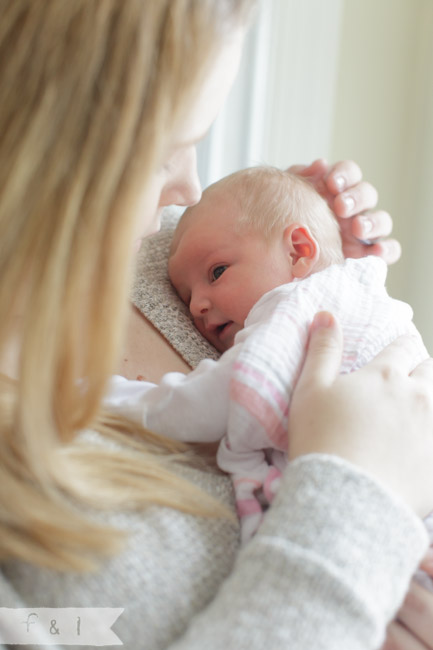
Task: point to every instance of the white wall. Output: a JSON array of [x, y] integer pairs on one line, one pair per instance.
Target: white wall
[[384, 120], [418, 262], [344, 79], [280, 111]]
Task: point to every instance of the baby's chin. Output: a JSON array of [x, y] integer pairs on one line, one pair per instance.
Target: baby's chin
[[221, 347]]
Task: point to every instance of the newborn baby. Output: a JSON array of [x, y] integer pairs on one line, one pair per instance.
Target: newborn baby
[[254, 261]]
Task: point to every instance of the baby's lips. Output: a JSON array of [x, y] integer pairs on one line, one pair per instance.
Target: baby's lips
[[227, 334]]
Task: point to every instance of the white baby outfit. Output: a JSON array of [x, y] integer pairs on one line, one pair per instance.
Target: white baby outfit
[[243, 398]]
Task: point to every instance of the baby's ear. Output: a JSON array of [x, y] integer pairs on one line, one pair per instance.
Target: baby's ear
[[302, 248]]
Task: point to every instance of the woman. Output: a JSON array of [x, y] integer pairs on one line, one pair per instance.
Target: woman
[[102, 103]]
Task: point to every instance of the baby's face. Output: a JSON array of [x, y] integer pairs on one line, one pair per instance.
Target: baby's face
[[221, 273]]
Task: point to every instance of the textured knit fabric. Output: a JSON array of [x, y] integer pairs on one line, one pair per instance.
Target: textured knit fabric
[[328, 568], [155, 297]]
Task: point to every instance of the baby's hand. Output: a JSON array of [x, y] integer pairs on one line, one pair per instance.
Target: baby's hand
[[353, 201]]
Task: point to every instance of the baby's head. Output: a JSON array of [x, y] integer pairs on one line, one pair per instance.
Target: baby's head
[[251, 232]]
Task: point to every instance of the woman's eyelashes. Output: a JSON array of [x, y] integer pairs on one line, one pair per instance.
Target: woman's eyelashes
[[217, 272]]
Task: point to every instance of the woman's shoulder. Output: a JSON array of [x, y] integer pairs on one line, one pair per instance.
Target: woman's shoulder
[[155, 298]]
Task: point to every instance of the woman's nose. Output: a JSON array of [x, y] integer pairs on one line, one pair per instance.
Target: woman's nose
[[183, 184]]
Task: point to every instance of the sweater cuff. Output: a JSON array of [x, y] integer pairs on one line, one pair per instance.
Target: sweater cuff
[[379, 540]]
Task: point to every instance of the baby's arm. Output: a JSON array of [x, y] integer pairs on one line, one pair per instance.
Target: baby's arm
[[190, 408]]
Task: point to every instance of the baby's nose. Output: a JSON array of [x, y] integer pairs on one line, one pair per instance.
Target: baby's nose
[[199, 305]]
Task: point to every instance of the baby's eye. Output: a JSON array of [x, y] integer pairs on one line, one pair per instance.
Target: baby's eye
[[217, 272]]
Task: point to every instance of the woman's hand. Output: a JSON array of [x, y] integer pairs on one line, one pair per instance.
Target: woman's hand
[[353, 202], [379, 418]]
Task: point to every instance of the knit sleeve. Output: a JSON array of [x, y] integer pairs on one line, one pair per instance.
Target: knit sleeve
[[328, 568]]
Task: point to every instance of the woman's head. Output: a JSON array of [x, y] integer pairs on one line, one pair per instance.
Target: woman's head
[[95, 100], [97, 97]]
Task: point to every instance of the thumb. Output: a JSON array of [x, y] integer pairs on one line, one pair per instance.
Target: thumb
[[323, 360]]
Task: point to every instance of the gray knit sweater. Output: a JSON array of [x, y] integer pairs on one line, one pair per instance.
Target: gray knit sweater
[[327, 570]]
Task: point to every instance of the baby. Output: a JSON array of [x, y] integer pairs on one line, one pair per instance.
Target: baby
[[254, 261], [260, 228]]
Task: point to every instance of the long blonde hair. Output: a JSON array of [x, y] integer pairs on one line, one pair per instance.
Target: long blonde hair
[[90, 93]]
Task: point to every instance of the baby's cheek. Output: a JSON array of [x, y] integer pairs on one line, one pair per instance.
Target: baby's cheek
[[198, 322], [209, 336]]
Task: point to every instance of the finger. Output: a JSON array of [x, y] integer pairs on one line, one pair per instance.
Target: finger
[[398, 638], [399, 356], [323, 358], [343, 175], [417, 613], [358, 198], [389, 250], [372, 225]]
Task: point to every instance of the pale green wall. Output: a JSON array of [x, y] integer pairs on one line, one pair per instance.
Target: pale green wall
[[384, 120], [344, 79]]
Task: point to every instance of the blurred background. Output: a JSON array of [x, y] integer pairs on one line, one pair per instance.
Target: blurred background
[[343, 79]]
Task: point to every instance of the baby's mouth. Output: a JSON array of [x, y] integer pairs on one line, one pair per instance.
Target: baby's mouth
[[225, 335], [222, 328]]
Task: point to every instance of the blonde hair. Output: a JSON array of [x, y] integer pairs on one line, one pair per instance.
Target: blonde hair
[[269, 199], [91, 91]]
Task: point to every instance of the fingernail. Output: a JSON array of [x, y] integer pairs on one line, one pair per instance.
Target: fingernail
[[340, 182], [348, 201], [367, 226], [322, 319]]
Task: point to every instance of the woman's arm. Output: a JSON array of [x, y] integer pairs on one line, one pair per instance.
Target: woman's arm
[[333, 559], [314, 575]]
